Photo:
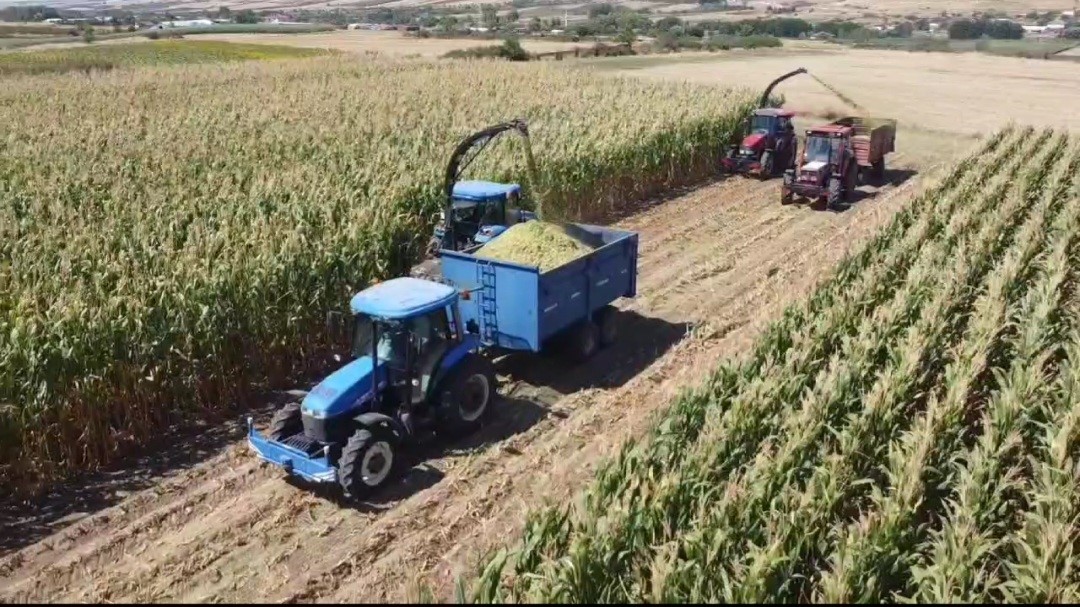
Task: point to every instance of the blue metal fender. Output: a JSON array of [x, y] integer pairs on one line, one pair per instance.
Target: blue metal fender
[[379, 420], [293, 461]]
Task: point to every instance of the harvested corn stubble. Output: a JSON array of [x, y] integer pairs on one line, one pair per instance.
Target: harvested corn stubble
[[535, 243]]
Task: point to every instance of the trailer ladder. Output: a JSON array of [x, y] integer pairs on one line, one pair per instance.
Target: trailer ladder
[[485, 299]]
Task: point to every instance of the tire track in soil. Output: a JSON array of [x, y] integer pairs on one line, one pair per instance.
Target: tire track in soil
[[726, 257]]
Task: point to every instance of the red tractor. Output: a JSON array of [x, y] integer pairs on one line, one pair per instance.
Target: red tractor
[[837, 158], [769, 145]]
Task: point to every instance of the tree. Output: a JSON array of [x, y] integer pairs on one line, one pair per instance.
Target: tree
[[627, 37], [1004, 30], [512, 50], [247, 16], [535, 24], [668, 23], [224, 13], [965, 29], [513, 16], [489, 16], [88, 34], [597, 10]]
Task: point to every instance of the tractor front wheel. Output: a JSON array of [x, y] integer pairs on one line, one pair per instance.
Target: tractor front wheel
[[835, 194], [433, 247], [286, 422], [786, 196], [366, 463], [767, 165], [470, 390]]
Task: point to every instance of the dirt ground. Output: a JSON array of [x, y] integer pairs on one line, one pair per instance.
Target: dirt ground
[[715, 265], [945, 92], [387, 43]]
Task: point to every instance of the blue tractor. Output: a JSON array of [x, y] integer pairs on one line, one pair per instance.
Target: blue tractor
[[413, 372], [477, 211], [421, 352]]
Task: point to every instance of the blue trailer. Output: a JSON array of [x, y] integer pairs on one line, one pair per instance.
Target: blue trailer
[[421, 355]]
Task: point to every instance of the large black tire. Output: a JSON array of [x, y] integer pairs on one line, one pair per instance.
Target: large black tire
[[786, 196], [467, 395], [584, 341], [367, 462], [607, 325], [432, 249], [835, 193], [767, 164], [286, 422], [879, 170]]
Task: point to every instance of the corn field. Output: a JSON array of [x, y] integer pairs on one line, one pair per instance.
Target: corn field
[[172, 239], [909, 433], [164, 52]]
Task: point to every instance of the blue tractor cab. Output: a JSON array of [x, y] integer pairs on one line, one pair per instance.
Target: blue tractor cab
[[482, 209], [475, 211], [413, 371]]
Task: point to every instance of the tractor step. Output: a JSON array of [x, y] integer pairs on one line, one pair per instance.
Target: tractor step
[[302, 442]]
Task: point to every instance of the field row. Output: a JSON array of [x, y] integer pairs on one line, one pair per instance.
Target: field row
[[173, 240], [909, 432]]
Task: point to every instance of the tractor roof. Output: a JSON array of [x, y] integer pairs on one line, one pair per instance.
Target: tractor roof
[[773, 111], [484, 191], [401, 298]]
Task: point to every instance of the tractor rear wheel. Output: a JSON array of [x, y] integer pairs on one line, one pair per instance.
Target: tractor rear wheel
[[366, 462], [851, 181], [286, 422], [607, 324], [469, 391]]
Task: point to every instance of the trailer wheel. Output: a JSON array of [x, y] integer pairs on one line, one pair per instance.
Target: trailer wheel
[[286, 422], [366, 462], [607, 323], [584, 341], [468, 393], [879, 170]]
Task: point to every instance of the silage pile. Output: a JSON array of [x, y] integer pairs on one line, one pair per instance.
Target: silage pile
[[535, 243]]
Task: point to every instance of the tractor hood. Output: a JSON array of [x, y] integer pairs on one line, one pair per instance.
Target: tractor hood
[[344, 390], [813, 171], [754, 141], [488, 233]]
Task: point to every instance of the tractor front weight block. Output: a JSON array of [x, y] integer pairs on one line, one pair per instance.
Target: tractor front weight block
[[316, 469]]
